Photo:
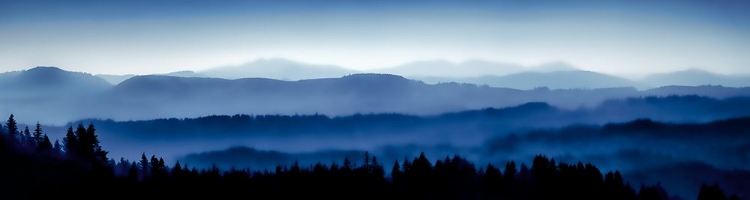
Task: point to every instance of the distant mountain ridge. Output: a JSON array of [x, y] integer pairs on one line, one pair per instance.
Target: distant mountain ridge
[[281, 69], [50, 81], [117, 79], [555, 75], [80, 95], [554, 80], [694, 77]]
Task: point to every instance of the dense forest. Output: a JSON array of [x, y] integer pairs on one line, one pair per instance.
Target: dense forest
[[35, 167], [673, 108]]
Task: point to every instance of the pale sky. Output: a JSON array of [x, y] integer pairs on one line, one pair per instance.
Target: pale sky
[[144, 37]]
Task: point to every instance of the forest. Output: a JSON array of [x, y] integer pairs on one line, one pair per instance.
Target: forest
[[34, 167]]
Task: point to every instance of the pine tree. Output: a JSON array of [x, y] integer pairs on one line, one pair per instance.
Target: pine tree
[[87, 144], [144, 166], [177, 169], [162, 166], [98, 153], [406, 166], [509, 174], [713, 192], [45, 145], [133, 173], [70, 142], [157, 167], [38, 135], [27, 138], [83, 149], [395, 170], [154, 163], [12, 127], [57, 148], [377, 169]]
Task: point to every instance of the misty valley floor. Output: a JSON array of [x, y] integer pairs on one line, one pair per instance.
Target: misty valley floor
[[33, 163]]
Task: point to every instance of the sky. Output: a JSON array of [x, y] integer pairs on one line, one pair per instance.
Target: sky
[[145, 37]]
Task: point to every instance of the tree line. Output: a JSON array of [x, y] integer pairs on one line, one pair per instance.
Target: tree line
[[34, 167]]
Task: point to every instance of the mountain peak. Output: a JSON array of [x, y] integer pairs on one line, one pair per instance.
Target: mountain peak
[[50, 81], [695, 77], [49, 68], [48, 72], [445, 68], [390, 77], [555, 66], [276, 68], [185, 73], [275, 60]]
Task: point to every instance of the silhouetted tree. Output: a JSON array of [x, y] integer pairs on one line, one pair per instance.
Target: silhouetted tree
[[347, 166], [145, 169], [25, 173], [38, 134], [158, 170], [132, 175], [57, 148], [712, 192], [492, 182], [396, 170], [377, 169], [88, 143], [406, 166], [84, 147], [12, 127], [45, 145], [419, 177], [510, 172], [652, 193], [177, 171], [27, 139], [523, 173], [70, 143], [93, 141], [397, 178], [615, 188]]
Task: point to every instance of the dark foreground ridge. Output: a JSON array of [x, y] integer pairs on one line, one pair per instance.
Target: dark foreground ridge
[[34, 167]]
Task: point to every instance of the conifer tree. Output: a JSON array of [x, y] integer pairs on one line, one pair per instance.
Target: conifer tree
[[45, 145], [70, 142], [12, 127], [144, 165], [27, 138], [57, 148], [38, 134]]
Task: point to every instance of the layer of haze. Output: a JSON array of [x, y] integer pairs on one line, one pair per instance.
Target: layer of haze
[[145, 37]]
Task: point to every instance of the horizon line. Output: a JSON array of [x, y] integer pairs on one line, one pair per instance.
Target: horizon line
[[526, 67]]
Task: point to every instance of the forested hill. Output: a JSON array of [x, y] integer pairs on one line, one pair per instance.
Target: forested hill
[[676, 109], [33, 167]]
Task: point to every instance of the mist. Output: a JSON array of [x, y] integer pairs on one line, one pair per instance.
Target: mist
[[161, 96], [645, 151]]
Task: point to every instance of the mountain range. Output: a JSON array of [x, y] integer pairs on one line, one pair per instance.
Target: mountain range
[[60, 96], [555, 75]]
